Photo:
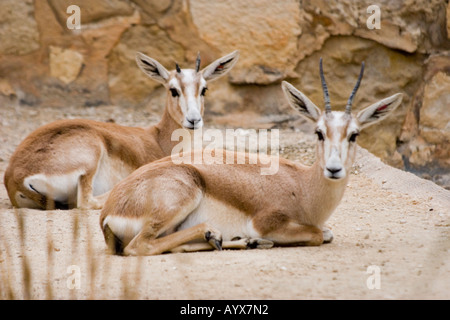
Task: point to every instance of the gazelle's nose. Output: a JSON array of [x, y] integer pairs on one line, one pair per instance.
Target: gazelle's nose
[[193, 121], [334, 170]]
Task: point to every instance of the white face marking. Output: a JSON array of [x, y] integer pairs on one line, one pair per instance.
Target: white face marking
[[337, 129], [190, 100]]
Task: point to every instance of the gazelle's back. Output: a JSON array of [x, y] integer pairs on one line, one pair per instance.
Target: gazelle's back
[[63, 150]]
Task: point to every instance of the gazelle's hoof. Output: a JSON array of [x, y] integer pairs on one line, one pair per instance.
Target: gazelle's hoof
[[327, 235], [214, 238], [256, 243]]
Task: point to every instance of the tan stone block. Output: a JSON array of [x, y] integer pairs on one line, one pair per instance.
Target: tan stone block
[[65, 64]]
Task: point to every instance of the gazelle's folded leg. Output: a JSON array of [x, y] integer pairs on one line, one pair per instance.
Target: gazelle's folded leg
[[85, 198], [292, 233], [244, 243], [143, 245]]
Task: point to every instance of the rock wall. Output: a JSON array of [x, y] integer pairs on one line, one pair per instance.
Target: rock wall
[[43, 62]]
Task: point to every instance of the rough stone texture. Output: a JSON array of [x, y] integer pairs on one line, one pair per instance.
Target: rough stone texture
[[42, 63], [425, 135], [151, 11], [5, 88], [407, 25], [448, 20], [267, 39], [434, 124], [91, 11], [434, 114], [19, 34], [126, 81], [179, 25], [436, 101]]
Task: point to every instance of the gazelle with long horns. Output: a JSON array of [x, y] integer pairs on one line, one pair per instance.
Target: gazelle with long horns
[[71, 163], [164, 206]]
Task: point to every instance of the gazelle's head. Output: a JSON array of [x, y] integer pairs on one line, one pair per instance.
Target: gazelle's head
[[337, 130], [186, 88]]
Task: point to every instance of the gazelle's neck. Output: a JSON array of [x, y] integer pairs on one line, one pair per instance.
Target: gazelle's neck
[[324, 194], [164, 129]]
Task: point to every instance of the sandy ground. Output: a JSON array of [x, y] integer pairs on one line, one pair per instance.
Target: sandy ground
[[391, 240]]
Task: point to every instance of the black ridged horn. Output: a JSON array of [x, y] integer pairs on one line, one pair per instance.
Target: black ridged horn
[[197, 62], [177, 67], [326, 96], [348, 108]]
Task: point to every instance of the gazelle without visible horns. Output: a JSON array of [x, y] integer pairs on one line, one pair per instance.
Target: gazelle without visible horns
[[71, 163], [167, 207]]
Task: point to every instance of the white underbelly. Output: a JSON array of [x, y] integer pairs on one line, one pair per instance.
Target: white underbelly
[[230, 221], [61, 188]]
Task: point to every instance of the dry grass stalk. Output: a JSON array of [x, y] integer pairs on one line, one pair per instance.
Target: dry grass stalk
[[91, 257], [26, 272], [50, 260], [6, 291], [75, 244]]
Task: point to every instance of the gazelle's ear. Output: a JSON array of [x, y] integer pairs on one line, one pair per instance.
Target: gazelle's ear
[[152, 68], [220, 67], [379, 110], [300, 102]]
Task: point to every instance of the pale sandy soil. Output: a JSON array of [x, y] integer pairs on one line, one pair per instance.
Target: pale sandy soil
[[388, 219]]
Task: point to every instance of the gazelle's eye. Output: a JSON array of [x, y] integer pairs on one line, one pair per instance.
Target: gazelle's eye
[[174, 92], [204, 91], [319, 135], [353, 137]]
